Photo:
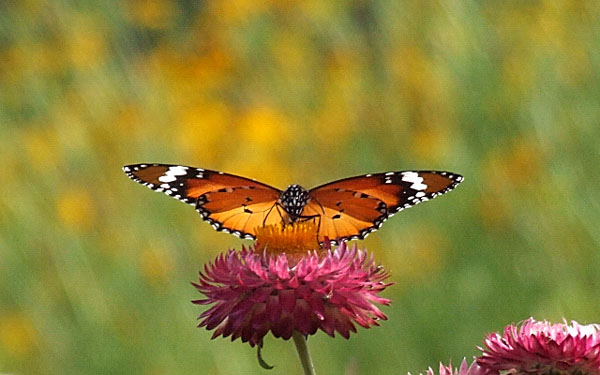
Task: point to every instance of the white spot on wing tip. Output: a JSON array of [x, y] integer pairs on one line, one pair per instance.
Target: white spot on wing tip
[[172, 173], [415, 179]]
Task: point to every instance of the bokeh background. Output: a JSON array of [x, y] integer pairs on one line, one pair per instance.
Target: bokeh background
[[95, 270]]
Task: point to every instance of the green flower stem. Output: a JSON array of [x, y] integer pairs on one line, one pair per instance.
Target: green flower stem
[[302, 349]]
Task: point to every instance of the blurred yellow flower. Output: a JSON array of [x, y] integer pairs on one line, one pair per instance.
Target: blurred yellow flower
[[41, 148], [412, 69], [262, 138], [85, 42], [332, 122], [549, 26], [156, 265], [152, 14], [344, 73], [75, 209], [127, 118], [518, 75], [431, 145], [31, 57], [231, 12], [342, 98], [428, 92], [318, 10], [17, 334], [202, 129], [577, 69], [517, 164], [554, 30], [264, 126], [506, 166], [189, 76], [291, 53]]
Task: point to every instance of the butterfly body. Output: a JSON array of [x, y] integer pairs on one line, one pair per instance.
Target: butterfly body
[[293, 200], [350, 208]]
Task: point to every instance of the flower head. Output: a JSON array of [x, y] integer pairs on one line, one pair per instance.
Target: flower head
[[543, 348], [464, 369], [256, 292], [294, 240]]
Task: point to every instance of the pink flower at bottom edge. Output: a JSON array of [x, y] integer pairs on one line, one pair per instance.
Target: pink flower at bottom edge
[[256, 293], [540, 347], [464, 369]]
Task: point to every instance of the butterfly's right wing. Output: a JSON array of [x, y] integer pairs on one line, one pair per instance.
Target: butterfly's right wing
[[353, 207], [345, 215]]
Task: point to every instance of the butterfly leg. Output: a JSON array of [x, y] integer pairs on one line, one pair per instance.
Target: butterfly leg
[[278, 208], [267, 215], [283, 220]]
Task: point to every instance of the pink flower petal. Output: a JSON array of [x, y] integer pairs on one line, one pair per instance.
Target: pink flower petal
[[253, 294], [539, 348]]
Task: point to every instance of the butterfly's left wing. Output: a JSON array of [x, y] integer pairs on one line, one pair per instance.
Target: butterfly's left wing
[[354, 207], [230, 203]]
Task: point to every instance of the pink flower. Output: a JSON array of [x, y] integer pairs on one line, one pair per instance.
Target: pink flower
[[543, 348], [464, 369], [257, 292]]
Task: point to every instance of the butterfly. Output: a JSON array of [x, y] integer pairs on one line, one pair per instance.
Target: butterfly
[[346, 209]]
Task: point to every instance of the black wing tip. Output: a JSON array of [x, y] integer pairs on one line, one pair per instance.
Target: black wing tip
[[454, 177], [458, 178], [129, 169], [451, 175], [135, 167]]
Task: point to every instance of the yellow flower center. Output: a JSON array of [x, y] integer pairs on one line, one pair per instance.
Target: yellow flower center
[[293, 239]]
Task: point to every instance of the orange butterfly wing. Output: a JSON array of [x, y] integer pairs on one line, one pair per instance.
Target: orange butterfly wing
[[230, 203], [240, 210], [344, 214], [354, 207]]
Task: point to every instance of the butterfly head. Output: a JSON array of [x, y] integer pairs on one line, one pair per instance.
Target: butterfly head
[[294, 199]]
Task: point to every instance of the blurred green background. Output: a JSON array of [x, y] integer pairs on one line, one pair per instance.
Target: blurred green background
[[95, 269]]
